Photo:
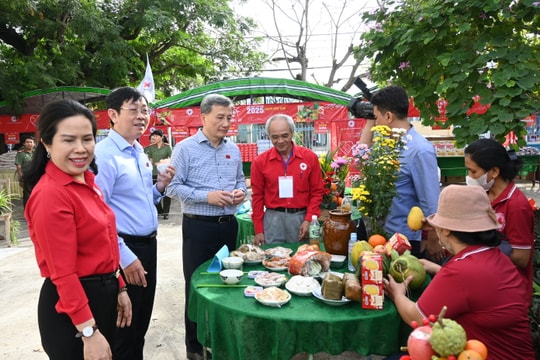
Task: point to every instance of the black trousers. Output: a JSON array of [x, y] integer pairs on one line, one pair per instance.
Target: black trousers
[[164, 206], [201, 241], [129, 341], [58, 332]]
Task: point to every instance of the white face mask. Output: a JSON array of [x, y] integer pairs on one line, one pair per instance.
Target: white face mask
[[481, 181]]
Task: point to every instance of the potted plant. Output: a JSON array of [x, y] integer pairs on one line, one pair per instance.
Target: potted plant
[[6, 209]]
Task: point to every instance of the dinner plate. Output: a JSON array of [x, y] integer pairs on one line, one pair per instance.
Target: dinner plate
[[270, 279], [318, 295], [277, 268], [278, 251], [252, 262], [262, 298], [302, 285]]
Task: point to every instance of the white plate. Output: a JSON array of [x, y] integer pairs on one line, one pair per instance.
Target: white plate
[[277, 268], [318, 295], [272, 303], [270, 279], [302, 285], [278, 251], [253, 262], [254, 273]]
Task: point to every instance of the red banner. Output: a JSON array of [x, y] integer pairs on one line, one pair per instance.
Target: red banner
[[185, 122]]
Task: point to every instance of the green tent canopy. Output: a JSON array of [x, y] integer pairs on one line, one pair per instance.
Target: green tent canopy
[[247, 88], [35, 100]]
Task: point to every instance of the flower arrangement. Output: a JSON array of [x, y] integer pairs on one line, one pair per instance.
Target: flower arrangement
[[334, 173], [379, 165]]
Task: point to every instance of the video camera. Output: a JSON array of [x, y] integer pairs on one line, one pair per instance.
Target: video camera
[[361, 108]]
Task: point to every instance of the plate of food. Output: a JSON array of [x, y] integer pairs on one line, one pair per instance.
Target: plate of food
[[252, 262], [270, 279], [276, 263], [251, 254], [273, 297], [278, 251], [302, 285], [317, 293]]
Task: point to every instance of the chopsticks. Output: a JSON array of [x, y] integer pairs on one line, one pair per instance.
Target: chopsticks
[[214, 273], [221, 285]]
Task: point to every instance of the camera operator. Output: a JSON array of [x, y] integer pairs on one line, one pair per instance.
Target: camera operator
[[418, 181]]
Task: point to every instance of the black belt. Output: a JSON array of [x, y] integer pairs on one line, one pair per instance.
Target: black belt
[[288, 210], [101, 277], [137, 238], [217, 219]]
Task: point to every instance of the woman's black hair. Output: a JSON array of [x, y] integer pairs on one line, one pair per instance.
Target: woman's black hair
[[488, 153], [47, 126], [490, 238]]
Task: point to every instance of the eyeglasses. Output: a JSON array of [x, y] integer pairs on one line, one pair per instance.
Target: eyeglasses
[[135, 112]]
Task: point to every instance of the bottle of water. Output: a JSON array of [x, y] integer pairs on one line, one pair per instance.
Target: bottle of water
[[314, 230], [352, 241]]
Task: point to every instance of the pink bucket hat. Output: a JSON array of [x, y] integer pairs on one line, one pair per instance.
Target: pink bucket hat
[[464, 208]]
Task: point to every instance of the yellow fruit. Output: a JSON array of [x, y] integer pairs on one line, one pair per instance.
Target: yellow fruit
[[358, 248], [414, 219]]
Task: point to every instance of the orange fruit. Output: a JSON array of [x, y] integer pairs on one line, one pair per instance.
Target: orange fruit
[[469, 355], [376, 239], [477, 346]]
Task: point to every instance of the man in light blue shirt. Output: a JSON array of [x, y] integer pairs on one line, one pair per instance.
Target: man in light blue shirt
[[125, 178], [210, 183], [418, 179]]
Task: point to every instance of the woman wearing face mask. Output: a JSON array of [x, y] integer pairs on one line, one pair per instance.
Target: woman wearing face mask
[[494, 168], [479, 285]]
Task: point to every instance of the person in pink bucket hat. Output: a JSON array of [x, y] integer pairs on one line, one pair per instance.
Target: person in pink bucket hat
[[480, 286]]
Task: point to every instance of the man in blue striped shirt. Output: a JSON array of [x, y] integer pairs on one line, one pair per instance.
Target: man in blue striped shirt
[[210, 183]]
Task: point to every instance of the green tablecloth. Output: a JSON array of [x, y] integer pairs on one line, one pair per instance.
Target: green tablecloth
[[245, 229], [237, 327]]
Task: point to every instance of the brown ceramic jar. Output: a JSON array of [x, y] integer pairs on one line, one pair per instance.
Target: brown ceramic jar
[[337, 229]]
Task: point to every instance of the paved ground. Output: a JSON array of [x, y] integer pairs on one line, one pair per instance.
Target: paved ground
[[20, 283]]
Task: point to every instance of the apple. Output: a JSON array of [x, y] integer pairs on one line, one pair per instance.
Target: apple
[[380, 249], [418, 345]]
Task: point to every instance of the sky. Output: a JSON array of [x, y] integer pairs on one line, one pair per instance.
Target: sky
[[320, 43]]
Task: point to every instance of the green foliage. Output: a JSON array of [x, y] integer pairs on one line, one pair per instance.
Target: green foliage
[[456, 50], [5, 201], [50, 43]]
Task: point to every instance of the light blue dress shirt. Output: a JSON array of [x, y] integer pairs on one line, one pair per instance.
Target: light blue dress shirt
[[125, 178], [201, 168], [417, 184]]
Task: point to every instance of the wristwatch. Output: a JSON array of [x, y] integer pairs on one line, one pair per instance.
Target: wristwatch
[[87, 331]]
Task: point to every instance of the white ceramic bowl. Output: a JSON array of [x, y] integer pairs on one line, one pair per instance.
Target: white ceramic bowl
[[231, 276], [337, 261], [232, 262]]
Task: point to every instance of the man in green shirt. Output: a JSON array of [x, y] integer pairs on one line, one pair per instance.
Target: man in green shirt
[[23, 159], [159, 152]]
